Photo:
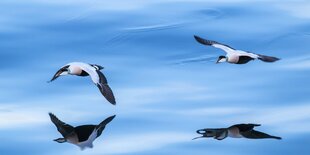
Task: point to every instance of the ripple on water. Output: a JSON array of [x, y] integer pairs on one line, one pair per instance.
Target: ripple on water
[[128, 32]]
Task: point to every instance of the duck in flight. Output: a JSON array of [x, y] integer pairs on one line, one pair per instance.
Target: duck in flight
[[82, 136], [235, 56], [92, 70], [235, 131]]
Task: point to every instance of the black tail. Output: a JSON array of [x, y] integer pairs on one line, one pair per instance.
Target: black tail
[[267, 58]]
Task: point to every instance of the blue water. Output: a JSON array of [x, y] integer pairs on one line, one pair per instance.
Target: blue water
[[166, 84]]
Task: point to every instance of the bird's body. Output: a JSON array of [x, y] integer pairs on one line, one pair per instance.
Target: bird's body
[[92, 70], [82, 136], [235, 131], [235, 56]]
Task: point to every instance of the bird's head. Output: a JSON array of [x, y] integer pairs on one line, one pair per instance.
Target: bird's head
[[221, 59], [98, 67]]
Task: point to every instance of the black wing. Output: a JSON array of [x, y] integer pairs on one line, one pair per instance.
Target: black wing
[[245, 127], [253, 134], [102, 125], [104, 88], [209, 42], [266, 58], [63, 128], [84, 131]]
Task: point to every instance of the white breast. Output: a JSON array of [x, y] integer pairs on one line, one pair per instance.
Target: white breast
[[233, 58], [75, 70]]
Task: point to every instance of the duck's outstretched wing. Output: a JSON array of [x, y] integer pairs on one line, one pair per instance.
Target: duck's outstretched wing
[[226, 48], [64, 129], [105, 89], [253, 134], [100, 81]]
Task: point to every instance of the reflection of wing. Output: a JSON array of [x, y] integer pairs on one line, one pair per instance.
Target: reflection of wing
[[102, 125], [245, 127], [253, 134], [63, 128], [226, 48]]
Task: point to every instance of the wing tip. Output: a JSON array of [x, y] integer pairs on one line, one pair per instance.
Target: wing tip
[[110, 98], [203, 41], [112, 101], [51, 114], [278, 138], [107, 92], [112, 117], [53, 118], [106, 121], [197, 38]]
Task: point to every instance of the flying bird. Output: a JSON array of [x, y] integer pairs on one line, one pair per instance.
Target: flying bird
[[92, 70], [235, 131], [82, 136], [235, 56]]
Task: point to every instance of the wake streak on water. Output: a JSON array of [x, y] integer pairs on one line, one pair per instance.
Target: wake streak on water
[[129, 32], [200, 59]]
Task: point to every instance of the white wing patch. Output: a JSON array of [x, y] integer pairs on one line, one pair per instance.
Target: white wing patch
[[228, 50], [243, 53]]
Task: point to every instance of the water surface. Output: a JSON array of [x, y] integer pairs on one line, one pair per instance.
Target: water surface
[[166, 84]]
